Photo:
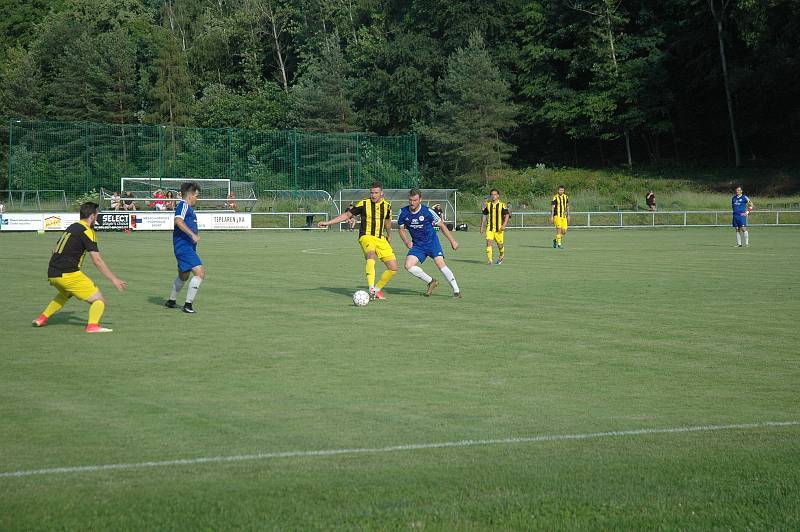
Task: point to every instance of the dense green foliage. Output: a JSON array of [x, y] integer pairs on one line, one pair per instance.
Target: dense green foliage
[[579, 82], [621, 330]]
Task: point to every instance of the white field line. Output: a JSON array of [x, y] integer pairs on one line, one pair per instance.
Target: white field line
[[395, 448], [316, 251]]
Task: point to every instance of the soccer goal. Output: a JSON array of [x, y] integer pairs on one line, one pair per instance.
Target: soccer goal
[[447, 198], [215, 193], [36, 200]]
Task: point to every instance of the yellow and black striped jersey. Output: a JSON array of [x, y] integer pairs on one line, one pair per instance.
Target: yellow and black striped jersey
[[373, 216], [71, 248], [495, 214], [560, 204]]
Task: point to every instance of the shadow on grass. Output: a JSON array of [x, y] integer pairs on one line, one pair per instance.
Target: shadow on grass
[[470, 261], [70, 317], [157, 300], [343, 291]]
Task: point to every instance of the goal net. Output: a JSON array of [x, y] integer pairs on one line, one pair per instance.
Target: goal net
[[214, 193]]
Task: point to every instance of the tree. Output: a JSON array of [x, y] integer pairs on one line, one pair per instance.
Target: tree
[[322, 96], [465, 130]]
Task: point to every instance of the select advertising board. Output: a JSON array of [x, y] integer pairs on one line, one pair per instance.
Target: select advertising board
[[119, 221]]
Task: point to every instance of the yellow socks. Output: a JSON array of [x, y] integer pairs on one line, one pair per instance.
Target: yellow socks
[[96, 310], [558, 239], [502, 251], [370, 271], [489, 253], [386, 276], [55, 305]]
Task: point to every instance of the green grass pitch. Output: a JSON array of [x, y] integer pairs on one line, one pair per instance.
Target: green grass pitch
[[619, 331]]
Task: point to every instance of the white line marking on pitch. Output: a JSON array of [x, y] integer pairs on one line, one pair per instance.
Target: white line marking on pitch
[[395, 448], [315, 251]]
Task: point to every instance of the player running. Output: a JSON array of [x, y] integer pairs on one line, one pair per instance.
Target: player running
[[559, 217], [374, 236], [422, 222], [65, 275], [185, 236], [494, 220], [741, 206]]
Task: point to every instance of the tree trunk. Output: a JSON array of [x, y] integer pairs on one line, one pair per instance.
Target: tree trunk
[[718, 18], [273, 19], [628, 148]]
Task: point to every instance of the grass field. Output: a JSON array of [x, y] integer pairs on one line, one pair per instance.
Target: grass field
[[623, 330]]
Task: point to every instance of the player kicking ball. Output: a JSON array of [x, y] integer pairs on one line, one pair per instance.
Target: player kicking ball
[[742, 206], [65, 275], [421, 222], [185, 236]]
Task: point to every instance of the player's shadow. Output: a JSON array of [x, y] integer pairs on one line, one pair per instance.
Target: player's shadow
[[157, 300], [471, 261], [68, 317], [535, 246], [349, 291]]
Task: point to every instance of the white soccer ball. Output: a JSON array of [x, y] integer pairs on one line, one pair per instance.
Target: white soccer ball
[[360, 298]]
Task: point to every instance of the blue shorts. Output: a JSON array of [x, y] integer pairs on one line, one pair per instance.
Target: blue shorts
[[429, 249], [739, 220], [187, 258]]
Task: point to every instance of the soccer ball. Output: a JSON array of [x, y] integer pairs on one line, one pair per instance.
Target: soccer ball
[[360, 298]]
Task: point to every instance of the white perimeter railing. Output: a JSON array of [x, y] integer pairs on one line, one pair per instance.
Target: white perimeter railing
[[529, 220], [287, 220]]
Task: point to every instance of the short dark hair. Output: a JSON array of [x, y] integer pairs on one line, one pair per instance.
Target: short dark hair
[[415, 192], [562, 186], [376, 184], [88, 209], [494, 190], [189, 186]]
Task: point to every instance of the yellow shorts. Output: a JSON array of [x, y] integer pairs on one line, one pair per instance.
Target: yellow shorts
[[75, 284], [497, 236], [560, 222], [380, 246]]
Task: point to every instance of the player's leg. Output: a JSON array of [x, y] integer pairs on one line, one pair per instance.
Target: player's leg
[[738, 228], [745, 232], [413, 267], [385, 253], [54, 306], [489, 240], [194, 285], [368, 247], [448, 274], [501, 248], [97, 307], [177, 285]]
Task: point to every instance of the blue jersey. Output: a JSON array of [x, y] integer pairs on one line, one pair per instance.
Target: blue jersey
[[739, 204], [420, 224], [186, 212]]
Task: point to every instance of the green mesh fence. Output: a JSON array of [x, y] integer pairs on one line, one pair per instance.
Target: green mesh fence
[[78, 157]]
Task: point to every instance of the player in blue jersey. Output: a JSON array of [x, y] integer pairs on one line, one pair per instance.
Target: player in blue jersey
[[741, 206], [421, 222], [185, 236]]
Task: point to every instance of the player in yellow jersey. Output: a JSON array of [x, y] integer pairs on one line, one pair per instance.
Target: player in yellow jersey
[[560, 217], [65, 275], [374, 235], [494, 220]]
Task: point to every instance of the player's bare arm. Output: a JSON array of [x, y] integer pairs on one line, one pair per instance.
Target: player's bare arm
[[446, 232], [749, 207], [346, 215], [180, 224], [103, 268], [404, 236], [387, 225], [483, 223], [505, 222]]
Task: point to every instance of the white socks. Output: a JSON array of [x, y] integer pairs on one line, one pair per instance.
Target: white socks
[[177, 284], [417, 272], [738, 238], [746, 238], [450, 278], [194, 285]]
